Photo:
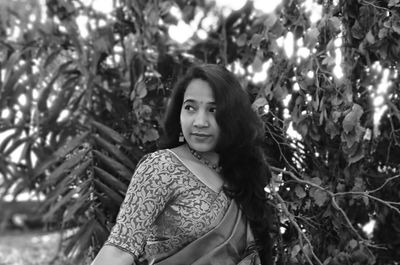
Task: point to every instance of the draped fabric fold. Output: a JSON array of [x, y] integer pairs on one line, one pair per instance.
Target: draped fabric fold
[[226, 244]]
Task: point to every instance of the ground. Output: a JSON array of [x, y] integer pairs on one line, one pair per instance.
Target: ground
[[30, 248]]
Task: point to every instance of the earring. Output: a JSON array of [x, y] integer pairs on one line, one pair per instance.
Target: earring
[[181, 139]]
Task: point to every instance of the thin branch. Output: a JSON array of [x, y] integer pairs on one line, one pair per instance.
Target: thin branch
[[337, 207], [386, 182], [377, 7], [293, 176], [396, 111], [389, 204], [299, 231], [224, 44]]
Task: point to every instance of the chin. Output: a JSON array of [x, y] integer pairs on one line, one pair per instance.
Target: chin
[[203, 148]]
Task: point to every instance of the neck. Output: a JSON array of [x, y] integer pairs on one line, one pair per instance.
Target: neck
[[212, 157]]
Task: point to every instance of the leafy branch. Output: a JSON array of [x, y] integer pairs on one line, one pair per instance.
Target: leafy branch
[[335, 204]]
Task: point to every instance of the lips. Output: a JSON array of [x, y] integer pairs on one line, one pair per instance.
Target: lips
[[200, 134]]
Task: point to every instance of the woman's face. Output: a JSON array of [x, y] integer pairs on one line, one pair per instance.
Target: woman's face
[[198, 117]]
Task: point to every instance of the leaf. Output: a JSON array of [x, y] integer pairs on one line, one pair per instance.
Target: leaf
[[327, 261], [358, 184], [316, 181], [145, 112], [100, 216], [110, 180], [335, 22], [60, 153], [352, 244], [54, 195], [256, 40], [46, 91], [370, 37], [107, 203], [165, 14], [140, 90], [80, 241], [268, 92], [11, 78], [393, 3], [319, 196], [150, 135], [396, 28], [311, 37], [61, 101], [356, 155], [115, 197], [277, 29], [16, 144], [295, 250], [112, 149], [329, 61], [50, 59], [117, 167], [108, 132], [64, 168], [64, 200], [352, 118], [242, 40], [280, 92], [300, 193], [65, 183], [357, 31], [257, 64], [82, 203], [5, 140], [383, 32], [331, 129], [270, 20], [104, 39], [259, 102]]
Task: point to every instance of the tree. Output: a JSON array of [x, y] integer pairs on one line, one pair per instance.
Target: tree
[[83, 108]]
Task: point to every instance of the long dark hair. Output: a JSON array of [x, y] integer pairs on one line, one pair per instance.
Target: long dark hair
[[244, 166]]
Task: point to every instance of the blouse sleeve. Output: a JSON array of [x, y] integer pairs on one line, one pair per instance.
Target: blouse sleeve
[[150, 189]]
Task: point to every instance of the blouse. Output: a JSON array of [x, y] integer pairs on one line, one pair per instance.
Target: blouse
[[165, 208]]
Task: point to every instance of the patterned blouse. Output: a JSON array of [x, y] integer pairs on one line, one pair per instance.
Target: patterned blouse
[[166, 207]]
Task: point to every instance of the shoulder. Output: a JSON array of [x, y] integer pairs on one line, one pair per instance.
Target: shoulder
[[159, 156], [159, 160]]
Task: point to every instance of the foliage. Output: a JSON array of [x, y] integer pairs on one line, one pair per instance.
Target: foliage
[[82, 109]]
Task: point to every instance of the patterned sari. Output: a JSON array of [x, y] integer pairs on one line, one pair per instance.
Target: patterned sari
[[166, 208], [227, 244]]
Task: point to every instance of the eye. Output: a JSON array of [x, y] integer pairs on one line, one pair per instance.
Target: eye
[[188, 107], [212, 109]]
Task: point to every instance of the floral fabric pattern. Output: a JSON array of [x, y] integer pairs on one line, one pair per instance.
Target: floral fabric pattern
[[165, 208]]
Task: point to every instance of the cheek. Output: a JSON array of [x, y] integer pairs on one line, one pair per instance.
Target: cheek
[[215, 123], [217, 128], [183, 119]]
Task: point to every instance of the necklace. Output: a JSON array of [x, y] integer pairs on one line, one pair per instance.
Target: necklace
[[206, 162]]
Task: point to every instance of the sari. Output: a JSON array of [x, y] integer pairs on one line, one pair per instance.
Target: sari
[[229, 243], [167, 210]]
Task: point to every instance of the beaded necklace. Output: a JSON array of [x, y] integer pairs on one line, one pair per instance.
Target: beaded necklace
[[206, 162]]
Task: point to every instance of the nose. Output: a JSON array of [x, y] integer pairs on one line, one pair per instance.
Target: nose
[[201, 119]]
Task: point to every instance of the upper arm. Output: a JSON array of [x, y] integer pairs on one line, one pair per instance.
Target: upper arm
[[150, 189]]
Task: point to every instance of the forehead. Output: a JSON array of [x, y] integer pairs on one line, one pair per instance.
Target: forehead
[[199, 90]]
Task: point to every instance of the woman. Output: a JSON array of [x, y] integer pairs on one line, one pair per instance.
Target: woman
[[200, 200]]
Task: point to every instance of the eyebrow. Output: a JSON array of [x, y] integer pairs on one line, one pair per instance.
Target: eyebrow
[[189, 100]]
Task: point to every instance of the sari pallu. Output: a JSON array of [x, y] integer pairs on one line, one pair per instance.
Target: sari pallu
[[226, 244]]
